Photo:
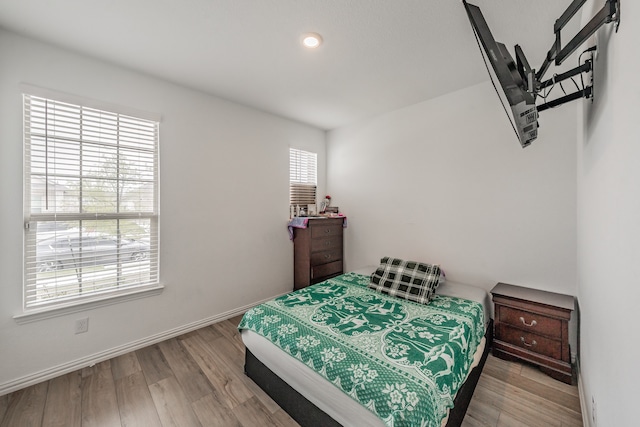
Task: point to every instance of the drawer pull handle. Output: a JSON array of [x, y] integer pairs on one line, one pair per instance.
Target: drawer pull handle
[[327, 256], [526, 344], [327, 230], [533, 323]]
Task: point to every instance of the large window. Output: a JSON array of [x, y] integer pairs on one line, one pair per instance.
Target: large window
[[91, 202], [302, 177]]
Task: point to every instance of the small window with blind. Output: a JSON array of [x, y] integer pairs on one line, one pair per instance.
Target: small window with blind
[[303, 178], [91, 203]]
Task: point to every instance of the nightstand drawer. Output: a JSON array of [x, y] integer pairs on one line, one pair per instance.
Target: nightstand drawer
[[326, 243], [529, 341], [320, 272], [324, 257], [530, 322]]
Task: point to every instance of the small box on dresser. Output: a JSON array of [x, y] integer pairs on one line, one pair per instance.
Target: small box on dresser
[[533, 326], [318, 252]]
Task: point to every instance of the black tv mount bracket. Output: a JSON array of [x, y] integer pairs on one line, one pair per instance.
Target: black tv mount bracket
[[609, 13]]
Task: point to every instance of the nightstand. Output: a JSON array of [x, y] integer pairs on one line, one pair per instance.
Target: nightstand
[[533, 326]]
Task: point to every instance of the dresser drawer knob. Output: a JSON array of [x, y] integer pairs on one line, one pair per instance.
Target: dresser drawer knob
[[533, 323], [526, 344]]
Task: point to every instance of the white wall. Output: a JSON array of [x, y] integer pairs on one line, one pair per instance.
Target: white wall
[[609, 225], [224, 206], [446, 181]]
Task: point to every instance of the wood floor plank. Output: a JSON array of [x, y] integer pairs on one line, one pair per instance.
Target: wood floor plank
[[64, 401], [4, 404], [506, 420], [193, 381], [572, 423], [99, 402], [262, 396], [228, 355], [125, 365], [172, 405], [527, 416], [225, 381], [522, 403], [134, 401], [26, 407], [252, 413], [283, 419], [88, 371], [229, 329], [153, 364], [560, 398], [235, 320], [536, 374], [213, 413], [480, 414], [209, 333], [504, 365]]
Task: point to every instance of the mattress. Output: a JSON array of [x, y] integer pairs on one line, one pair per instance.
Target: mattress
[[321, 392]]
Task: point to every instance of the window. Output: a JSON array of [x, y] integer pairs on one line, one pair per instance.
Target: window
[[302, 177], [91, 203]]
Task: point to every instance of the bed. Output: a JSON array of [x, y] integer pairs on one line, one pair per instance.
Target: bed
[[339, 353]]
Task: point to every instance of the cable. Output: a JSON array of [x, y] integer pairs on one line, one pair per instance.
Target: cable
[[560, 83], [574, 82], [553, 79]]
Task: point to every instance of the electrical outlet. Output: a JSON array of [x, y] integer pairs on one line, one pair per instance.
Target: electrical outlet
[[594, 414], [82, 325]]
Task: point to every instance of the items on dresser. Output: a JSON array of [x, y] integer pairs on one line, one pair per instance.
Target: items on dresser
[[318, 253], [533, 326]]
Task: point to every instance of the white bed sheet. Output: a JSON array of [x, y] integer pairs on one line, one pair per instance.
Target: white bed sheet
[[453, 289], [321, 392]]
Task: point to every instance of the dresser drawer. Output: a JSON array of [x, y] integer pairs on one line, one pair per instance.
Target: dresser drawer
[[324, 230], [529, 341], [324, 257], [531, 322], [326, 243], [320, 272]]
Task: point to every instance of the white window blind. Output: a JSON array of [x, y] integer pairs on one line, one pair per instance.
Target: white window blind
[[302, 177], [91, 202]]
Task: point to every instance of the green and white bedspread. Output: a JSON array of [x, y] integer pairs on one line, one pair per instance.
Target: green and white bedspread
[[401, 360]]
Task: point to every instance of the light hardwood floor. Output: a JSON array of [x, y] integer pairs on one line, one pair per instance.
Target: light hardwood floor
[[198, 379]]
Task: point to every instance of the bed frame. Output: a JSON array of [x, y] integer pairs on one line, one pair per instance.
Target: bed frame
[[308, 415]]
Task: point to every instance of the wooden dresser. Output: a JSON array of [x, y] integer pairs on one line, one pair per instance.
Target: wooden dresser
[[533, 326], [317, 254]]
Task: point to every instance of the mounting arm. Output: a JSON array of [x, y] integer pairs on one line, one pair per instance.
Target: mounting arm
[[609, 13], [585, 92]]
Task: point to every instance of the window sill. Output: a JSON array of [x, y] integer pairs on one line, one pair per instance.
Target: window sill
[[78, 306]]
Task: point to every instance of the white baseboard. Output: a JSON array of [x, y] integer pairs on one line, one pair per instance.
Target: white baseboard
[[586, 418], [65, 368]]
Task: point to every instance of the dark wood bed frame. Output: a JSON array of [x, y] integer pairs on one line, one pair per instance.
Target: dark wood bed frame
[[308, 415]]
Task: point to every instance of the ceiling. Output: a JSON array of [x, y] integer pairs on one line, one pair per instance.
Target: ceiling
[[377, 55]]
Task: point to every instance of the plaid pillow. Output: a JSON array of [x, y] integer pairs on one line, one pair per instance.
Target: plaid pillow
[[413, 281]]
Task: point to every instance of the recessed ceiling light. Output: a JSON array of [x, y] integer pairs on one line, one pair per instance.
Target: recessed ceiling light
[[311, 40]]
